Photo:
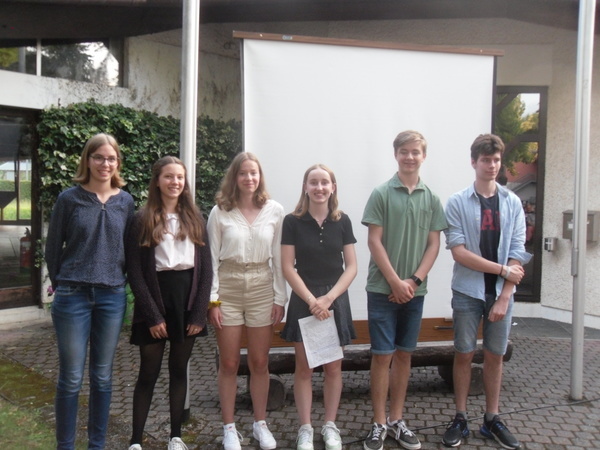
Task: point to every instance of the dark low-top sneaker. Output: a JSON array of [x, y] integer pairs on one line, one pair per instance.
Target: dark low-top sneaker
[[406, 438], [495, 429], [376, 437], [456, 430]]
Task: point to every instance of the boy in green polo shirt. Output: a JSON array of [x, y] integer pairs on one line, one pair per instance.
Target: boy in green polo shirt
[[405, 220]]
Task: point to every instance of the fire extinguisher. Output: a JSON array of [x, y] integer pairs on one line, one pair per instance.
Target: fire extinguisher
[[25, 251]]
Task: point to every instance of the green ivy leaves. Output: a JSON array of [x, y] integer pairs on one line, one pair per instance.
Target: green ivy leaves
[[144, 137]]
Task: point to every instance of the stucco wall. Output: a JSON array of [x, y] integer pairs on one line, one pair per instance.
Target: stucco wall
[[534, 55], [560, 168]]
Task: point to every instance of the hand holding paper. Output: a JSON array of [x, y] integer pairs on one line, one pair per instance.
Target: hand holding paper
[[321, 340]]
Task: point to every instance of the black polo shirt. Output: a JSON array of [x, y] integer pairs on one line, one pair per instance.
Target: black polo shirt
[[319, 258]]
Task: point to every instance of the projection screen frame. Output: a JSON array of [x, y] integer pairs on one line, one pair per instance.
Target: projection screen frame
[[286, 188]]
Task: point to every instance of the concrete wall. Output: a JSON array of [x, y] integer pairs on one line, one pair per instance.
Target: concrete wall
[[152, 77], [534, 55]]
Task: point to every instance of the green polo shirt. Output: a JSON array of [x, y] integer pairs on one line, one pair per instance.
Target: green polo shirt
[[407, 220]]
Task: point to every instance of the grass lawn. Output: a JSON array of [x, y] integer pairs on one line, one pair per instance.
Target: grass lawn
[[22, 428], [26, 400], [27, 409]]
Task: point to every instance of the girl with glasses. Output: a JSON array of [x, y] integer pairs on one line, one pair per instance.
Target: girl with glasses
[[85, 256]]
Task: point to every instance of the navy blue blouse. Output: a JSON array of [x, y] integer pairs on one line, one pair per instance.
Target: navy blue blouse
[[85, 243]]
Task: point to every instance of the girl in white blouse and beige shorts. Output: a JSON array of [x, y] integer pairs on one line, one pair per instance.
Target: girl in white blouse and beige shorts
[[248, 289]]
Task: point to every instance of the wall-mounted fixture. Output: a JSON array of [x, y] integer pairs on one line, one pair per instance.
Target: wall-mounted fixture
[[550, 244], [593, 225]]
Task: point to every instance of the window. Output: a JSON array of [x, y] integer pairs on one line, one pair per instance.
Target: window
[[94, 62]]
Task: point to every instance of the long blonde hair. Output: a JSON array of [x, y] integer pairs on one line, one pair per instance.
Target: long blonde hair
[[332, 204], [228, 195], [154, 223]]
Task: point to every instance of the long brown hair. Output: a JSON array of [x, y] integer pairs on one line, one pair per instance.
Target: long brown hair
[[82, 175], [332, 204], [154, 224], [228, 195]]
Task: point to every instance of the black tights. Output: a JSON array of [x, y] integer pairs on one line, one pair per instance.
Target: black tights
[[151, 357]]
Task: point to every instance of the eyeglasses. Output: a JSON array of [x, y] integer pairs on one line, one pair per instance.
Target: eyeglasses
[[99, 159]]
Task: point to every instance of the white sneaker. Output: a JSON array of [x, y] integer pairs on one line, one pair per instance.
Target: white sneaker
[[331, 436], [305, 437], [263, 435], [231, 438], [135, 447], [176, 444]]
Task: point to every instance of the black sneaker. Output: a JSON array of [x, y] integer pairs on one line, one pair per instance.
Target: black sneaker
[[456, 430], [498, 431], [403, 435], [376, 437]]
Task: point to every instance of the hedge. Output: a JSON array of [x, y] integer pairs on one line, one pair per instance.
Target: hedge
[[144, 137]]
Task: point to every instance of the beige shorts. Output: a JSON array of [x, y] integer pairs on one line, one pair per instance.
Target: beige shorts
[[246, 294]]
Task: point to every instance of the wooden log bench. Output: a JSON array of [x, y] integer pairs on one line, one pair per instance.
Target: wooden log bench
[[435, 348]]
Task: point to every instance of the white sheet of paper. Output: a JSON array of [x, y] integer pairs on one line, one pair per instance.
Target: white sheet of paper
[[321, 340]]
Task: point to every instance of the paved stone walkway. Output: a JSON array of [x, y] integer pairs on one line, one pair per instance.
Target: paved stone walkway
[[535, 397]]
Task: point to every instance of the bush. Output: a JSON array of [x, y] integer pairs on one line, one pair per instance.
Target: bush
[[144, 137]]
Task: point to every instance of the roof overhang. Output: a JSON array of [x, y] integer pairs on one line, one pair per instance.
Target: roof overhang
[[22, 22]]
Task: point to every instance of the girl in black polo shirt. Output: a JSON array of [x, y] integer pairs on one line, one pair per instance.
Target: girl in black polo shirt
[[319, 263]]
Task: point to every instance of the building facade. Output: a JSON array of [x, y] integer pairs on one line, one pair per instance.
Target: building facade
[[538, 58]]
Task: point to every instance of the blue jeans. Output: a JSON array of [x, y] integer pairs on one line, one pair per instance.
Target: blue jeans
[[83, 314], [393, 326]]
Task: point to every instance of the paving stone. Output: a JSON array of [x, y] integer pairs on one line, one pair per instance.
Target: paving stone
[[535, 398]]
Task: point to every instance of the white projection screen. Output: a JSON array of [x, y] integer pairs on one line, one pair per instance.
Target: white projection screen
[[342, 103]]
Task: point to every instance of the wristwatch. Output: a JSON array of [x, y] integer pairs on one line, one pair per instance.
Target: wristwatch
[[416, 279]]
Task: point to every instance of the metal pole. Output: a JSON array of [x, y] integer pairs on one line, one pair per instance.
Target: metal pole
[[189, 88], [585, 51], [189, 111]]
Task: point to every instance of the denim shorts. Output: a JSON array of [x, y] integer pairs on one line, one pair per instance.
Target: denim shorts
[[393, 326], [467, 313]]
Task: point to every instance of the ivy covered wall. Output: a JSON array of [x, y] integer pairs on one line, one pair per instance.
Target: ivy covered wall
[[144, 137]]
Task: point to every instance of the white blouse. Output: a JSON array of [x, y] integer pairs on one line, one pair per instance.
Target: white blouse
[[233, 238], [172, 253]]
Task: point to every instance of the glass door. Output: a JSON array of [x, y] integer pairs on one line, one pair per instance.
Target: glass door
[[520, 120], [17, 136]]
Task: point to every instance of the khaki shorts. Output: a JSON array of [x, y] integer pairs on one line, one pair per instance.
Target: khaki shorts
[[246, 294]]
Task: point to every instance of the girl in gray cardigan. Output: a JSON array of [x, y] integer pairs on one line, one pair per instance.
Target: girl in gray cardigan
[[170, 273]]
